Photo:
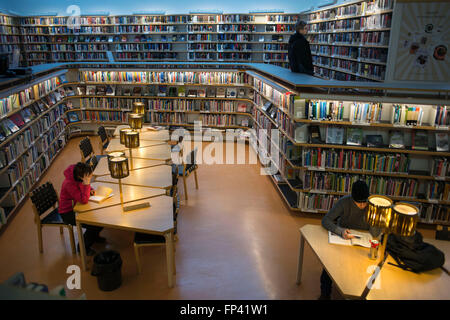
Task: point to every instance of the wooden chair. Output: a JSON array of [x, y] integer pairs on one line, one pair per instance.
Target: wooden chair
[[87, 153], [44, 198], [104, 139], [149, 240], [189, 166]]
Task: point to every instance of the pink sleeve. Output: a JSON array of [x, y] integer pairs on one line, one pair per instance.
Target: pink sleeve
[[80, 192]]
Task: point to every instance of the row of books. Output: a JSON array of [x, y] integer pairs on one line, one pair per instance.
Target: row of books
[[434, 213], [284, 100], [232, 56], [162, 91], [337, 75], [438, 191], [440, 168], [280, 28], [146, 55], [197, 105], [142, 47], [201, 56], [79, 55], [355, 38], [315, 201], [6, 20], [103, 116], [355, 160], [282, 18], [377, 54], [8, 48], [365, 112], [363, 69], [70, 47], [165, 77], [404, 115], [336, 182], [276, 56], [442, 117], [9, 30], [321, 110], [340, 25], [29, 135], [275, 47]]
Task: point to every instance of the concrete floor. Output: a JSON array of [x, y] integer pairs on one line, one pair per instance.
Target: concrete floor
[[237, 240]]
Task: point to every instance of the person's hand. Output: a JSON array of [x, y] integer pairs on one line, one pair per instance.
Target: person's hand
[[346, 234], [87, 179], [92, 192]]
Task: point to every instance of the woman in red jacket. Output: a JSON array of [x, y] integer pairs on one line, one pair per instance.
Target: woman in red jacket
[[77, 188]]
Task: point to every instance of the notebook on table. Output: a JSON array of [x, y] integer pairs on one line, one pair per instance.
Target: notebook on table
[[101, 194], [363, 241]]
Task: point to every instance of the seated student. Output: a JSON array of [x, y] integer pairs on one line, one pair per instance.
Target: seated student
[[347, 213], [177, 148], [76, 187]]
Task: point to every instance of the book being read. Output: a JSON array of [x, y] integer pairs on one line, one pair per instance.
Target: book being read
[[363, 240], [101, 194]]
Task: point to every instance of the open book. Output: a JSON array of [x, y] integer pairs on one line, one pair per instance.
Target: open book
[[101, 194], [363, 241]]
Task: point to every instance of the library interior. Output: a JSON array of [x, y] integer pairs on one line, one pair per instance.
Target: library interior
[[178, 151]]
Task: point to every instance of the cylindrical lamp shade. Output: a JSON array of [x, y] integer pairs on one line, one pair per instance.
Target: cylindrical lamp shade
[[114, 154], [118, 167], [138, 107], [122, 134], [135, 120], [132, 139], [404, 219]]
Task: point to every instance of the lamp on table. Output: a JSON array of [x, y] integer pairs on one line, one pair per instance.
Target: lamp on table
[[131, 141]]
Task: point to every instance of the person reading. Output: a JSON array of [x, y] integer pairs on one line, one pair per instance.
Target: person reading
[[76, 187], [348, 213]]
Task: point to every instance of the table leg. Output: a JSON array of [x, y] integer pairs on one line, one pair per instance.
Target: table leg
[[81, 245], [300, 259], [170, 256]]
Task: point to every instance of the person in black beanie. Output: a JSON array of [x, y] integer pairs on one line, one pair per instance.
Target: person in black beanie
[[347, 213], [299, 52]]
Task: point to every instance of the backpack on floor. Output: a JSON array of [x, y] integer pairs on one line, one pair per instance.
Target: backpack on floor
[[412, 254]]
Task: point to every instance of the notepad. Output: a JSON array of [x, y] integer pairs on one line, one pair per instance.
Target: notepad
[[364, 241], [101, 194]]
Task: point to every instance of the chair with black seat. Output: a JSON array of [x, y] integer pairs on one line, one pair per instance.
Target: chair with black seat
[[150, 240], [104, 139], [87, 153], [44, 198], [189, 166]]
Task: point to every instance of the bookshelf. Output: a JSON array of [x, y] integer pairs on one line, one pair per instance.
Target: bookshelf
[[256, 37], [9, 35], [350, 41], [309, 175]]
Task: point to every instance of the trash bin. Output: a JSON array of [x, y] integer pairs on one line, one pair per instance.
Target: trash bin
[[108, 270]]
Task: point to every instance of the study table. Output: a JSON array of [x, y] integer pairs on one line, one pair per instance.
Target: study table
[[153, 177], [394, 283], [158, 152], [351, 269], [115, 145], [148, 135], [102, 167], [156, 219], [130, 194]]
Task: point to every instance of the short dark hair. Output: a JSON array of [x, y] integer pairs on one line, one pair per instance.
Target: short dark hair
[[80, 170], [360, 191], [300, 25]]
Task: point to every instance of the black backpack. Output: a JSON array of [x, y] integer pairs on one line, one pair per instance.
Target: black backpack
[[412, 254]]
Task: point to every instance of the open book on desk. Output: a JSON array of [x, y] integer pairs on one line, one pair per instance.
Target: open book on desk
[[363, 240], [101, 194]]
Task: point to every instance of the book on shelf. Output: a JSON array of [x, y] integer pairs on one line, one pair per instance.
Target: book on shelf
[[137, 91], [90, 90], [181, 91], [362, 239], [12, 127], [242, 107], [62, 78], [101, 90], [354, 136], [441, 141], [69, 91], [314, 134], [162, 91], [278, 178], [374, 140], [17, 119], [220, 93], [244, 122], [81, 91], [127, 91], [73, 117], [211, 92], [5, 130], [241, 93], [69, 104], [335, 135], [273, 112], [301, 133], [173, 92], [101, 194], [231, 92], [442, 117], [27, 115], [62, 92], [419, 140], [201, 93], [110, 90], [57, 95], [396, 139], [192, 93], [267, 106]]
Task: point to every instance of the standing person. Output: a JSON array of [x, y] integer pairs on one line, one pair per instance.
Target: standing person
[[347, 213], [299, 52], [76, 187]]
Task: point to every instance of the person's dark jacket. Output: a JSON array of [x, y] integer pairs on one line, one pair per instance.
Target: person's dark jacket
[[299, 54]]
